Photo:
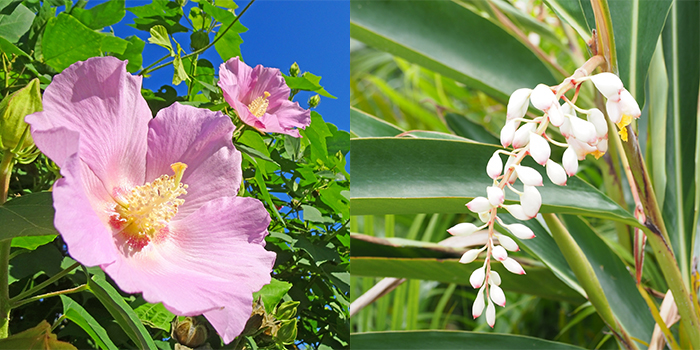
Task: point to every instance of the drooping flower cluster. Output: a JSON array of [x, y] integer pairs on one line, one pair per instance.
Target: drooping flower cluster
[[153, 201], [529, 137]]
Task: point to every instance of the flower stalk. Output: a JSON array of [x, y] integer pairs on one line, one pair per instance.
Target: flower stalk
[[5, 245]]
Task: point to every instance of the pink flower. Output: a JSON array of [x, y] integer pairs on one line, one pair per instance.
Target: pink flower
[[261, 98], [152, 201]]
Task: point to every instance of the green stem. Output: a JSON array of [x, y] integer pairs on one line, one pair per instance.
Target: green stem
[[48, 295], [8, 161], [43, 285], [5, 245]]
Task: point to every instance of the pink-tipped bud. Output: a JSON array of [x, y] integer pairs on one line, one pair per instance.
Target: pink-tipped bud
[[479, 205], [497, 295], [517, 104], [507, 243], [531, 201], [469, 256], [539, 148], [495, 195], [608, 84], [570, 161], [614, 112], [542, 97], [499, 253], [628, 105], [528, 176], [565, 128], [493, 168], [522, 135], [490, 314], [583, 131], [494, 278], [477, 278], [597, 118], [513, 176], [508, 132], [556, 117], [521, 231], [556, 173], [463, 229], [513, 266], [517, 211], [478, 306]]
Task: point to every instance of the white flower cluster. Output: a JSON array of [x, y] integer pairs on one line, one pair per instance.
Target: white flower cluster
[[583, 137]]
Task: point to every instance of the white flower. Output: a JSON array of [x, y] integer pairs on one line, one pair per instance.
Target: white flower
[[494, 278], [470, 256], [490, 314], [556, 173], [531, 201], [542, 97], [522, 135], [477, 277], [478, 305], [513, 266], [510, 162], [497, 295], [570, 161], [597, 118], [479, 205], [499, 253], [555, 115], [493, 168], [495, 195], [608, 84], [519, 230], [583, 131], [517, 104], [517, 211], [464, 228], [539, 148], [528, 176], [508, 132], [507, 242]]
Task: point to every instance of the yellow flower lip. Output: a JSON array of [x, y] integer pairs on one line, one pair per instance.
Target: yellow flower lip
[[622, 124], [259, 105]]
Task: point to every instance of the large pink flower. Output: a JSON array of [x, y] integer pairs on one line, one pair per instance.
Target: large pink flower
[[260, 96], [153, 200]]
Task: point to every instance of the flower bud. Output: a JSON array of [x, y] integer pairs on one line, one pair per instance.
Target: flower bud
[[517, 211], [499, 253], [556, 173], [570, 161], [519, 230], [542, 97], [462, 229], [287, 333], [477, 277], [478, 305], [494, 278], [528, 176], [199, 40], [597, 118], [513, 176], [479, 205], [522, 136], [294, 70], [493, 168], [567, 110], [484, 216], [507, 243], [13, 109], [189, 332], [565, 128], [314, 101], [517, 104], [490, 314], [495, 195], [539, 148], [469, 256], [508, 132], [583, 131], [556, 117], [531, 201], [513, 266], [497, 295], [608, 84]]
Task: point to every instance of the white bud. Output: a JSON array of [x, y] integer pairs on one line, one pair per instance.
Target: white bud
[[565, 128], [522, 136], [495, 195], [539, 148], [469, 256], [485, 216], [494, 278], [497, 295], [628, 105], [508, 132], [542, 97], [513, 266], [479, 205], [597, 118], [493, 168], [531, 201], [570, 161], [608, 84], [477, 278], [584, 131], [513, 175], [490, 314], [566, 109], [602, 145], [478, 305], [556, 117], [462, 229], [556, 173], [507, 243], [614, 112], [521, 231], [528, 176], [499, 253], [517, 211], [517, 104]]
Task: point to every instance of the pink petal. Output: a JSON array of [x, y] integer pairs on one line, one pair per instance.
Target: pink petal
[[201, 139]]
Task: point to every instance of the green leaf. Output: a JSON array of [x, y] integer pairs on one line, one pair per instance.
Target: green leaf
[[442, 36], [76, 313], [338, 142], [102, 15], [272, 293], [464, 127], [67, 41], [133, 53], [37, 338], [574, 12], [315, 134], [308, 82], [155, 315], [121, 311], [229, 44], [366, 125], [439, 340], [16, 23], [402, 176], [28, 215], [10, 49], [179, 74], [159, 12], [197, 18], [32, 242], [46, 258], [159, 36]]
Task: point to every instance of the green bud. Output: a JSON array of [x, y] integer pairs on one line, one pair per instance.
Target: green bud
[[181, 3], [13, 109], [253, 324], [286, 310], [294, 70], [199, 40], [314, 101], [189, 332], [287, 332]]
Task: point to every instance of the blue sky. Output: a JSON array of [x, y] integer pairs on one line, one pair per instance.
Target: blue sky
[[280, 32]]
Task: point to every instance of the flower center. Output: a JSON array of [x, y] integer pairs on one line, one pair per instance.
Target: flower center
[[145, 212], [259, 105]]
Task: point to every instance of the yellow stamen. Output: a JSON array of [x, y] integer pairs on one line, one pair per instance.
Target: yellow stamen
[[597, 154], [259, 105], [626, 120]]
